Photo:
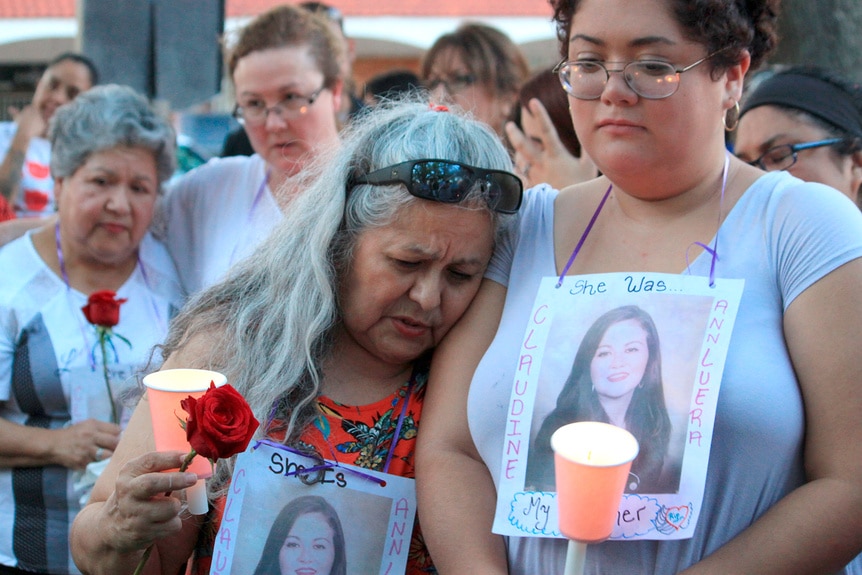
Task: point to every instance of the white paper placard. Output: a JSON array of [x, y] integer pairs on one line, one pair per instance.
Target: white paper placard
[[374, 511], [692, 323]]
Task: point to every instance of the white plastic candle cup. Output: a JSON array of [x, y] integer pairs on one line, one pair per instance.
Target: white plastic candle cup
[[592, 462], [165, 390]]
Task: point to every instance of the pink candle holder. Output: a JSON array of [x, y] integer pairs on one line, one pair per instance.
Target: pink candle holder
[[165, 390], [592, 462]]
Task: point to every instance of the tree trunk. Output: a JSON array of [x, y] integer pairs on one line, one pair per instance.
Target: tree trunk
[[826, 33]]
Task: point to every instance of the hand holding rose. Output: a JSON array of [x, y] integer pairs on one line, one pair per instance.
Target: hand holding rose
[[220, 424], [139, 510]]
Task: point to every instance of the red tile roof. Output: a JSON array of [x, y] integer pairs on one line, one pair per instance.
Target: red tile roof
[[234, 8]]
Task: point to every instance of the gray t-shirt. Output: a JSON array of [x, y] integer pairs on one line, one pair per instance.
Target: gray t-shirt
[[780, 237]]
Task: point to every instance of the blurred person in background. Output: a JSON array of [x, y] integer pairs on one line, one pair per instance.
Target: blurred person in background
[[25, 178], [808, 121], [237, 143], [541, 134], [389, 84], [478, 68], [287, 80]]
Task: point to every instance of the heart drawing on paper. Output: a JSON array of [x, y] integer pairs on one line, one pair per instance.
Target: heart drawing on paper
[[677, 516]]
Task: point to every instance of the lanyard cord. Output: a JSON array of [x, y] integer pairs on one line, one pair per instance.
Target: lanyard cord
[[713, 251], [395, 436], [584, 236]]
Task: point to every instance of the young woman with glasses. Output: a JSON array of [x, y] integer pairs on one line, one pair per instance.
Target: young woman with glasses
[[805, 120], [288, 86], [370, 268], [650, 84]]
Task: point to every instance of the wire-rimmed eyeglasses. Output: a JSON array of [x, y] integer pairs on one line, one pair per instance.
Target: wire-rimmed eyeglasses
[[650, 79], [453, 84], [255, 112], [785, 156]]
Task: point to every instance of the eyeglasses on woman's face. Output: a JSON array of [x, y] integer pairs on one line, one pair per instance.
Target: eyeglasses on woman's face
[[785, 156], [453, 84], [449, 182], [254, 112], [650, 79]]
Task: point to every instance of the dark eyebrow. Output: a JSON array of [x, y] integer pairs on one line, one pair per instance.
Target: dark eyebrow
[[636, 43]]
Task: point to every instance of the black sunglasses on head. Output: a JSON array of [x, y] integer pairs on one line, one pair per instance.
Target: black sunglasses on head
[[449, 182]]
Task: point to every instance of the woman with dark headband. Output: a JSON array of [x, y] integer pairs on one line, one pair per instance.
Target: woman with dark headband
[[808, 121], [374, 262]]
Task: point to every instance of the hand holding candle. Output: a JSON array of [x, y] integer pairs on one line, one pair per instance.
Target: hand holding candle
[[219, 424], [165, 392]]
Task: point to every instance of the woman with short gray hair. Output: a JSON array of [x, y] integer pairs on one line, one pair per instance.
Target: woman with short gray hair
[[62, 377], [109, 117], [375, 261]]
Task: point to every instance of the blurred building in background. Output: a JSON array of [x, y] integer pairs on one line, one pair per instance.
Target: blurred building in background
[[171, 49]]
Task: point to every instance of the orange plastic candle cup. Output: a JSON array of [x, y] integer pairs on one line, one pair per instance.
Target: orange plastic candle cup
[[165, 390], [592, 462]]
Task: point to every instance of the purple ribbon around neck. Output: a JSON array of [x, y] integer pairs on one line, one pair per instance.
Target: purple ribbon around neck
[[584, 236], [323, 466], [713, 251]]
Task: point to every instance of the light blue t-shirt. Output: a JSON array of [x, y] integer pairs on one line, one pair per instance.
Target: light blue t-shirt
[[780, 237]]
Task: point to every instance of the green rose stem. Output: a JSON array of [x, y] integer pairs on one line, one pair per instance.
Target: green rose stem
[[145, 557], [103, 336]]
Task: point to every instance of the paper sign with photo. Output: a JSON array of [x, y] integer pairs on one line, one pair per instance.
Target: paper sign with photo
[[286, 512], [642, 351]]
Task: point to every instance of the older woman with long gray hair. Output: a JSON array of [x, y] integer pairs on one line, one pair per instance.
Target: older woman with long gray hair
[[335, 314], [61, 377]]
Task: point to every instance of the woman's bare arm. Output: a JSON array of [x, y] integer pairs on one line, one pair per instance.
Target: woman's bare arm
[[128, 509], [456, 493], [817, 528]]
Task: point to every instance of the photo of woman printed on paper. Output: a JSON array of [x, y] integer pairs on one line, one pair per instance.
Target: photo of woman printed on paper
[[338, 532], [306, 539], [616, 377]]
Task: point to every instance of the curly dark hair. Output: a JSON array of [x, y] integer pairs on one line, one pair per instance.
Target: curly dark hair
[[729, 25]]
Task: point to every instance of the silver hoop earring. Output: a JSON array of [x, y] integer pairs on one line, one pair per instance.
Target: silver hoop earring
[[734, 114]]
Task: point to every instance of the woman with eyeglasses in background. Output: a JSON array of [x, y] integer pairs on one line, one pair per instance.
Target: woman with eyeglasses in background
[[286, 73], [478, 68], [332, 318], [808, 121], [650, 84]]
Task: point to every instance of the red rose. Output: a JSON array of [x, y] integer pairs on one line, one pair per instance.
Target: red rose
[[103, 308], [220, 424]]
